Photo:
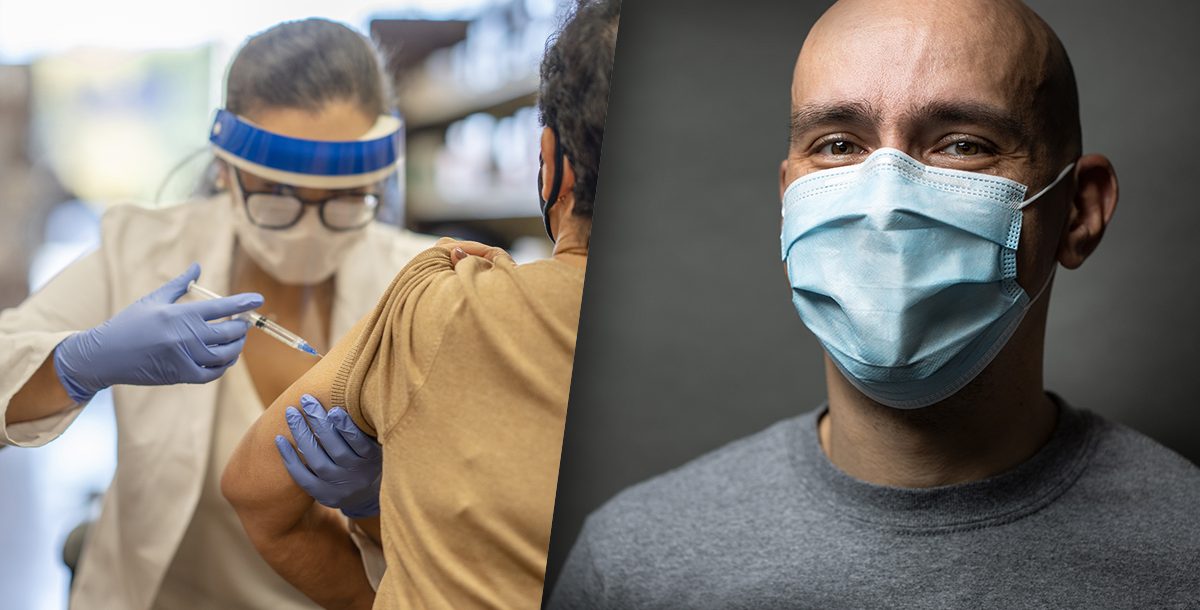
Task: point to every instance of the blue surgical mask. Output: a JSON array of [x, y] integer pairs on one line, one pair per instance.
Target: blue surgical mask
[[907, 273]]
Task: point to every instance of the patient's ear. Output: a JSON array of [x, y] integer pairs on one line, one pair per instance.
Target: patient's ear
[[550, 166]]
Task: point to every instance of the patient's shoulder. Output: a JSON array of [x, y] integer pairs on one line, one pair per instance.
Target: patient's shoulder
[[540, 293]]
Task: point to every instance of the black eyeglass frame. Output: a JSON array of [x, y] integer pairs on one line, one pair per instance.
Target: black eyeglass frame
[[286, 190]]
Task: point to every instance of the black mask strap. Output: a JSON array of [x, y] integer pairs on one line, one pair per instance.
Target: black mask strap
[[556, 185]]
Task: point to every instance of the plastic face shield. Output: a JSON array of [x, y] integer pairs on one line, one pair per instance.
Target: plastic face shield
[[315, 164]]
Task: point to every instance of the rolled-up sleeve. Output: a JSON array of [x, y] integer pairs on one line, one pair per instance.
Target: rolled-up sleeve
[[398, 343]]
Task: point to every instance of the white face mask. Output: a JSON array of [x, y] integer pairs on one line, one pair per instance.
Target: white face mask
[[303, 254]]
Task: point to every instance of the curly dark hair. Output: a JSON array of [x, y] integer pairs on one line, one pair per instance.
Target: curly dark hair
[[573, 97]]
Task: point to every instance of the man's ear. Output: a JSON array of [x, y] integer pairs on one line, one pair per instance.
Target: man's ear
[[550, 166], [1090, 210]]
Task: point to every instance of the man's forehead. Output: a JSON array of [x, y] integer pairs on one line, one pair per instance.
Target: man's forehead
[[903, 55]]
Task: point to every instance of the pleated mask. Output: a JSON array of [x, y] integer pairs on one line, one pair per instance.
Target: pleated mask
[[907, 273]]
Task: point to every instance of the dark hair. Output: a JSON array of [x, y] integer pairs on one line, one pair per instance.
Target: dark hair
[[573, 97], [305, 65]]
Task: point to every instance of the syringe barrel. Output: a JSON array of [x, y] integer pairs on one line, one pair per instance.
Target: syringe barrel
[[194, 287], [280, 332], [262, 322]]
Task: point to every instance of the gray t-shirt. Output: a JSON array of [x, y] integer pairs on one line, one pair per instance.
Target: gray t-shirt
[[1100, 517]]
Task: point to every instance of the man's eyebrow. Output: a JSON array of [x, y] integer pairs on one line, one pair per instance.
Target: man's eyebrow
[[963, 113], [809, 116]]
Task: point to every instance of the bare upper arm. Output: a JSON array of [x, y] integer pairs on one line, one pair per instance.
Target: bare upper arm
[[255, 481]]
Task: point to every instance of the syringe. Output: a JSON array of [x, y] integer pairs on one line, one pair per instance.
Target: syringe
[[261, 322]]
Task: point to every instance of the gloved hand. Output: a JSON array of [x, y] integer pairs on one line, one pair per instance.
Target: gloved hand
[[156, 341], [344, 464]]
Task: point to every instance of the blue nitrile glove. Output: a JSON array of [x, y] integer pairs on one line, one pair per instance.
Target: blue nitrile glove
[[156, 341], [344, 464]]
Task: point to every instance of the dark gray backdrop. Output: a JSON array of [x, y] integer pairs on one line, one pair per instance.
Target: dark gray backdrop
[[688, 338]]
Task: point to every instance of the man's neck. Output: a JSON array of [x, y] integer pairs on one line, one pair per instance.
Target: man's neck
[[998, 421]]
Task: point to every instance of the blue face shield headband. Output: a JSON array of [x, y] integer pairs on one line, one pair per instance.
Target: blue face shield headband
[[907, 274], [310, 163]]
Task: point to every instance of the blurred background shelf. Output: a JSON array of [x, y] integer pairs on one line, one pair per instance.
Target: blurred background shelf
[[468, 93], [429, 106]]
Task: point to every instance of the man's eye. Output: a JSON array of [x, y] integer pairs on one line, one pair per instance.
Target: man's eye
[[963, 149], [839, 148]]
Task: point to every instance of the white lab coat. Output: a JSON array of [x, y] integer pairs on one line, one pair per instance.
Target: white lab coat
[[165, 432]]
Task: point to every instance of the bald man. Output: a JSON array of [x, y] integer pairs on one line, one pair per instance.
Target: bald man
[[934, 182]]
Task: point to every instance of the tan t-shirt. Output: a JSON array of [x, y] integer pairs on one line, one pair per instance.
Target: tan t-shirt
[[463, 376]]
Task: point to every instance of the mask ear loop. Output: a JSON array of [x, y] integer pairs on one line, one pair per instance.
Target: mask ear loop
[[1024, 204], [555, 186], [1045, 285], [1070, 166]]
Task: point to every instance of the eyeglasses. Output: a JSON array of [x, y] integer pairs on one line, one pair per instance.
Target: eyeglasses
[[282, 208]]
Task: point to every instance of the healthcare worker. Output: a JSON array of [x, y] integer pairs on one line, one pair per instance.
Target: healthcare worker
[[304, 142]]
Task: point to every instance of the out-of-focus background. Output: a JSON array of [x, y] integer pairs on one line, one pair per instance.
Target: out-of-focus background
[[103, 103], [688, 338]]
